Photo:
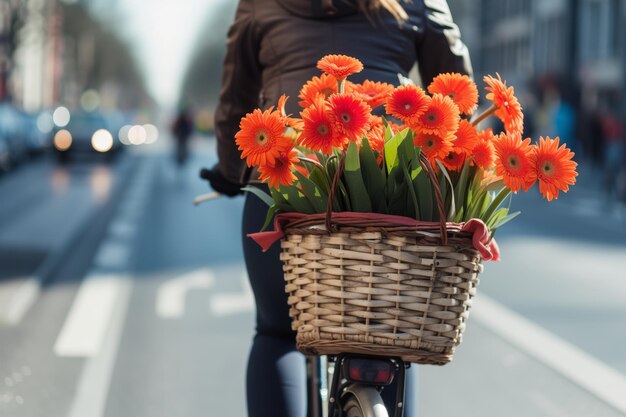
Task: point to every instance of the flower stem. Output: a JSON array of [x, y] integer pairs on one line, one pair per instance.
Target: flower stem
[[491, 110], [340, 85]]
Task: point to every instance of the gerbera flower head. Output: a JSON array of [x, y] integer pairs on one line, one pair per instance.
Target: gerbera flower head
[[280, 171], [339, 66], [554, 166], [441, 117], [350, 116], [508, 108], [433, 145], [454, 161], [319, 132], [373, 93], [322, 86], [466, 137], [376, 134], [460, 88], [483, 154], [407, 102], [260, 138], [514, 162]]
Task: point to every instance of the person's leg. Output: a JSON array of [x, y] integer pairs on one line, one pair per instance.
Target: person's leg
[[276, 375]]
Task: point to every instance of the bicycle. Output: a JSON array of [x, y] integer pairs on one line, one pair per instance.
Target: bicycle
[[356, 382]]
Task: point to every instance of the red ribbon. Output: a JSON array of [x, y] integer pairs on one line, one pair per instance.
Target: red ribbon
[[481, 239]]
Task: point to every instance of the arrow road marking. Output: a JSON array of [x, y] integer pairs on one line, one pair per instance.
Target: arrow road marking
[[170, 303], [233, 303]]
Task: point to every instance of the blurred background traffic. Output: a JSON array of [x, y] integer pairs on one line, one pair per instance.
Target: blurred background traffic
[[119, 298]]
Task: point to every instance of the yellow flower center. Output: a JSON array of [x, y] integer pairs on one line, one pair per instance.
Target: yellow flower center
[[548, 168], [261, 137]]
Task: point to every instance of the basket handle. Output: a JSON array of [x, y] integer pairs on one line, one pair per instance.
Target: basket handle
[[426, 166]]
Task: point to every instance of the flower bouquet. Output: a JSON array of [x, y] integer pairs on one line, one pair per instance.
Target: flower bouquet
[[387, 200]]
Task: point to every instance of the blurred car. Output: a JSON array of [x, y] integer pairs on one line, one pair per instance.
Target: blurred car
[[12, 132], [5, 156], [36, 140], [86, 133]]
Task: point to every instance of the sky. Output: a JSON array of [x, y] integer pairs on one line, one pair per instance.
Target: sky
[[163, 34]]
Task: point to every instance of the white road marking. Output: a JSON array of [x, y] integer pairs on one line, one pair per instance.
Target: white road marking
[[93, 385], [90, 316], [578, 366], [233, 303], [171, 295], [20, 301]]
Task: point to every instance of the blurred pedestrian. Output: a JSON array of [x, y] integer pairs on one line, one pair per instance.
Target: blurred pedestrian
[[613, 132], [182, 128], [273, 47]]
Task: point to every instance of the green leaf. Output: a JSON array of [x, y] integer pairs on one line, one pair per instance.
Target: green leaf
[[316, 197], [359, 198], [281, 202], [268, 218], [266, 198], [373, 177], [461, 189], [319, 177], [297, 199], [413, 209], [505, 220], [391, 149], [494, 204], [424, 192], [452, 210]]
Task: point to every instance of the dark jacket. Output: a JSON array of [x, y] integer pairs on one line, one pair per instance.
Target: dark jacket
[[273, 47]]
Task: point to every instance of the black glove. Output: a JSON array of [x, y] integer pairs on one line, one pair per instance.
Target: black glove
[[220, 183]]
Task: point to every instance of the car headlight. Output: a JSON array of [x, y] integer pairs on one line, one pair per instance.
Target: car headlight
[[102, 140], [62, 140]]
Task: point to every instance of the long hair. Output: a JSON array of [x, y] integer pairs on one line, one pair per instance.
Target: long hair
[[372, 7]]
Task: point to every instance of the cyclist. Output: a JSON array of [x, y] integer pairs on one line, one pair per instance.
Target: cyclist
[[273, 47]]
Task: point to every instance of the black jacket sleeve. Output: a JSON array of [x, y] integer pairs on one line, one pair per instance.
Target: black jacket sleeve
[[441, 49], [241, 84]]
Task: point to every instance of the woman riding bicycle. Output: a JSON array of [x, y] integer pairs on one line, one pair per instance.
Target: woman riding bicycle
[[273, 47]]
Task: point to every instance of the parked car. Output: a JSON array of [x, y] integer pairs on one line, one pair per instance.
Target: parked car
[[86, 133], [5, 155], [12, 130], [37, 141]]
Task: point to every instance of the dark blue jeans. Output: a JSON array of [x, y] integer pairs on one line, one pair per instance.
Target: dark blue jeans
[[276, 374]]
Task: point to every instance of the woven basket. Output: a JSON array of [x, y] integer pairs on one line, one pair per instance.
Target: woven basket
[[379, 288]]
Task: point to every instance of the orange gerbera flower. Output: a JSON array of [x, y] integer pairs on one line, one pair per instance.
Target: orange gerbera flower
[[376, 134], [350, 115], [433, 145], [508, 108], [554, 167], [441, 117], [460, 88], [454, 161], [260, 137], [407, 102], [373, 93], [339, 66], [513, 162], [280, 172], [483, 153], [466, 137], [322, 86], [319, 133]]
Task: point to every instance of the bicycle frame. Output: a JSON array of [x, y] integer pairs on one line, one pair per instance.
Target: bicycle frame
[[325, 402]]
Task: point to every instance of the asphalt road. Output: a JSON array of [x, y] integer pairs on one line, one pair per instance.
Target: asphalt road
[[118, 298]]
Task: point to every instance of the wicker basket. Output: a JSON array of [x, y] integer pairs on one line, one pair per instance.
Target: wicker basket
[[379, 288]]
